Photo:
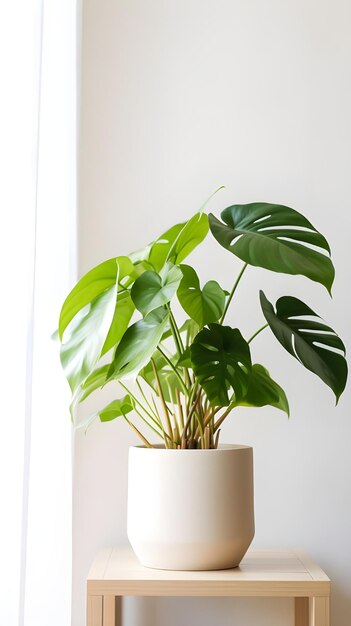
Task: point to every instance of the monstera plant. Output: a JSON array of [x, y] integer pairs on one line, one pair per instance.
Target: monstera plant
[[182, 379]]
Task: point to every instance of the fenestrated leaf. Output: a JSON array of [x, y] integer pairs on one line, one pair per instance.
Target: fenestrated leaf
[[152, 290], [158, 251], [116, 408], [92, 285], [124, 310], [202, 305], [275, 237], [192, 234], [138, 344], [263, 390], [222, 363], [85, 337], [310, 341]]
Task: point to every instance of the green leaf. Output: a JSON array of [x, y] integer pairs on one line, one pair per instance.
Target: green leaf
[[152, 290], [168, 379], [138, 344], [276, 238], [94, 381], [178, 241], [191, 235], [92, 285], [185, 359], [85, 337], [310, 341], [116, 408], [263, 390], [203, 306], [124, 310], [159, 250], [222, 363]]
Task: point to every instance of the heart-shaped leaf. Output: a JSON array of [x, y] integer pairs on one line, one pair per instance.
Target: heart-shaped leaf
[[275, 237], [222, 363], [204, 306], [92, 285], [309, 340], [138, 344], [152, 290], [263, 390], [116, 408], [85, 337]]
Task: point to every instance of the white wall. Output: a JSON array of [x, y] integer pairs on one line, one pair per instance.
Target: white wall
[[179, 97]]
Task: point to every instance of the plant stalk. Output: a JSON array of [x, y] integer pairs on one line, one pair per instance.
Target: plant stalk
[[233, 292], [258, 332]]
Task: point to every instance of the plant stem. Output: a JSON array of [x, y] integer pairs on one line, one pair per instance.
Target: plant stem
[[159, 434], [140, 404], [230, 297], [147, 402], [146, 442], [190, 414], [166, 358], [163, 402], [258, 332], [223, 416], [175, 332]]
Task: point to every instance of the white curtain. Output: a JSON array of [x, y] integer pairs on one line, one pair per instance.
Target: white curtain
[[37, 258]]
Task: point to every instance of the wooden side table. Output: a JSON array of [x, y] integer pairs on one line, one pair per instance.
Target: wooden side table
[[271, 573]]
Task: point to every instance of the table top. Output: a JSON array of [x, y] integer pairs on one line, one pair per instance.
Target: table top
[[273, 573]]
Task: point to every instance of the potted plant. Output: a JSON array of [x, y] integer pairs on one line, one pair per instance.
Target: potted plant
[[190, 500]]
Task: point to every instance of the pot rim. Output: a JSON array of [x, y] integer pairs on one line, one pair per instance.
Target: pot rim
[[224, 447]]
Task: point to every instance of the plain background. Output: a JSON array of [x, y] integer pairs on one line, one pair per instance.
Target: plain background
[[178, 98]]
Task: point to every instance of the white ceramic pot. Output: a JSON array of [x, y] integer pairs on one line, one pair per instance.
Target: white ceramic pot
[[190, 509]]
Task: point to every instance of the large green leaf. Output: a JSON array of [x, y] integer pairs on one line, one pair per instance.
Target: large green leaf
[[116, 408], [275, 237], [222, 363], [308, 339], [263, 390], [202, 305], [85, 337], [138, 344], [159, 250], [92, 285], [124, 310], [178, 241], [152, 290]]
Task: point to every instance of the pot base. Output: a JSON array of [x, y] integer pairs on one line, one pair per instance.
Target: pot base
[[191, 557]]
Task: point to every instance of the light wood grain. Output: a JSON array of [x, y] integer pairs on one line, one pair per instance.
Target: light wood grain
[[109, 611], [301, 611], [271, 573], [94, 611], [319, 612]]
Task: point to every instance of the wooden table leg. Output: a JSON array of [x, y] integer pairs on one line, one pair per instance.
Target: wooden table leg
[[112, 611], [319, 611], [301, 612], [94, 611]]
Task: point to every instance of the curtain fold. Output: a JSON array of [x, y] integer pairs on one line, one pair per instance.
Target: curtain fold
[[38, 49]]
